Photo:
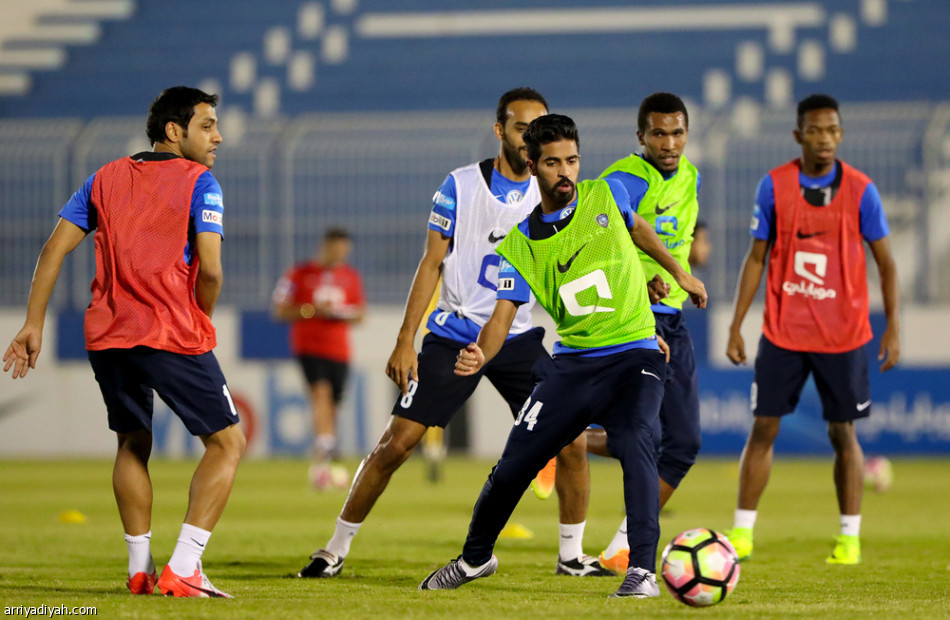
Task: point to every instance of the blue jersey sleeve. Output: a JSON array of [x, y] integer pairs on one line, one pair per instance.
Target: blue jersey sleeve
[[77, 210], [764, 212], [207, 205], [635, 186], [622, 198], [511, 285], [442, 218], [873, 221], [699, 181]]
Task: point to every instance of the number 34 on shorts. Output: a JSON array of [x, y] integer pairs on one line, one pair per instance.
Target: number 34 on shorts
[[529, 414]]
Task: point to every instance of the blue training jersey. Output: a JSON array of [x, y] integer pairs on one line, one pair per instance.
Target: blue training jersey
[[442, 220], [520, 292], [207, 208], [871, 210], [637, 188]]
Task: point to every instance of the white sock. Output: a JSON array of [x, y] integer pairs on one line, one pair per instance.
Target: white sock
[[851, 525], [343, 535], [191, 544], [469, 569], [618, 542], [745, 518], [325, 446], [140, 553], [571, 540]]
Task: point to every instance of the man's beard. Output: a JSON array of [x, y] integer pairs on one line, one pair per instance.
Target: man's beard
[[562, 199], [514, 158]]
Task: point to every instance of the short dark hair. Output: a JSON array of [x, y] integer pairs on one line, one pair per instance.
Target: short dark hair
[[547, 129], [663, 103], [700, 225], [517, 94], [176, 105], [336, 234], [816, 102]]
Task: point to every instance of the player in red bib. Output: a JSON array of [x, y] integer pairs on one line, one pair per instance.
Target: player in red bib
[[321, 298], [157, 218], [812, 217]]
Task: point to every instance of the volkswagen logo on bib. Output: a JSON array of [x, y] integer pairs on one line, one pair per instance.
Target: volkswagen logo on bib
[[514, 197], [602, 219]]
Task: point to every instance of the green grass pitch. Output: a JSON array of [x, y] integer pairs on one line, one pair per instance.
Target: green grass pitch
[[274, 521]]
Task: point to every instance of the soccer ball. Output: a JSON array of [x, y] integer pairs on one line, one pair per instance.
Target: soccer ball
[[700, 567], [878, 474]]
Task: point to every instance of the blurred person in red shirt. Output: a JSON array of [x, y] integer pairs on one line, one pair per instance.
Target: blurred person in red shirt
[[321, 298]]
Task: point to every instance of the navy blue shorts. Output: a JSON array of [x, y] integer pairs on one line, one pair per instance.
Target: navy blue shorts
[[192, 386], [841, 379], [316, 369], [622, 392], [440, 393], [679, 413]]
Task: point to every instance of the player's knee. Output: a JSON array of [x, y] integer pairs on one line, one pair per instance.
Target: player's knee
[[393, 449], [842, 435], [573, 455], [136, 443], [231, 442], [764, 431]]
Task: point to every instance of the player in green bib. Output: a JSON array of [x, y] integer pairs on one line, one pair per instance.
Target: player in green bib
[[574, 253], [663, 186]]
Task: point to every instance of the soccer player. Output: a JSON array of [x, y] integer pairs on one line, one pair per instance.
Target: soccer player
[[321, 298], [474, 209], [663, 187], [157, 218], [574, 253], [811, 218]]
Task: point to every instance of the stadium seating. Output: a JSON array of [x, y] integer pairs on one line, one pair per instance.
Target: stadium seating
[[293, 57]]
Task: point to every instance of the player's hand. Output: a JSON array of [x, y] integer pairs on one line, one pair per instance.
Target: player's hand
[[658, 289], [469, 360], [695, 288], [890, 351], [664, 348], [735, 351], [403, 365], [23, 351]]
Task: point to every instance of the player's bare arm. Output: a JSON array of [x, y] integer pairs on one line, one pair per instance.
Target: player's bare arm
[[490, 339], [22, 353], [645, 238], [403, 364], [890, 350], [287, 312], [210, 273], [352, 314], [752, 267], [664, 348]]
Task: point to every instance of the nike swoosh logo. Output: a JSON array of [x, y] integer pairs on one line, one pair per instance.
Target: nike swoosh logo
[[645, 372], [197, 543], [864, 405], [210, 593], [563, 268], [493, 239], [661, 210], [802, 235]]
